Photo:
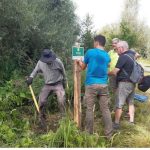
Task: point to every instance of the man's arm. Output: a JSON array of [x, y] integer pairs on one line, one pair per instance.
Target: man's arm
[[121, 61], [35, 71], [33, 74], [137, 55], [62, 69], [114, 71]]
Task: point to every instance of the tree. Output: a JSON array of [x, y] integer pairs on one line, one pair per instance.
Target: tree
[[87, 34], [28, 26], [11, 33], [130, 29], [110, 32]]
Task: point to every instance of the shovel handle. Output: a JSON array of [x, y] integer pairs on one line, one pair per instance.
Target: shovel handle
[[34, 99]]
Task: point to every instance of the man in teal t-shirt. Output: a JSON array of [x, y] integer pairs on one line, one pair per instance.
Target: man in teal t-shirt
[[97, 60]]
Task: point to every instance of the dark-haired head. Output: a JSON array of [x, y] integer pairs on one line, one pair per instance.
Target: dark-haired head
[[100, 39]]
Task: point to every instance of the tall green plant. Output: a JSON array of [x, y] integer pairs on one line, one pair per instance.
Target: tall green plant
[[87, 34], [26, 27], [130, 29], [68, 135]]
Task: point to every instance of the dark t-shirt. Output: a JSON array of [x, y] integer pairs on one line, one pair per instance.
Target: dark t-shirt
[[125, 62], [131, 53]]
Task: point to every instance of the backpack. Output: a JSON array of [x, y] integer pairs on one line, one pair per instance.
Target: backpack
[[144, 85], [137, 73]]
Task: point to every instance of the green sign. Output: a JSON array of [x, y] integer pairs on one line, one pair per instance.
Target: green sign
[[77, 52]]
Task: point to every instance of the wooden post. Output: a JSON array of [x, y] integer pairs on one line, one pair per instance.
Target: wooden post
[[77, 93]]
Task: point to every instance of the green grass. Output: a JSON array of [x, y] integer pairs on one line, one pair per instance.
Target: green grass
[[19, 125], [137, 136], [144, 61]]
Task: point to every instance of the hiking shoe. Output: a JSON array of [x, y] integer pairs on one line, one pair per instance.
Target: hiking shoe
[[131, 123], [42, 121], [109, 135], [127, 115], [116, 126]]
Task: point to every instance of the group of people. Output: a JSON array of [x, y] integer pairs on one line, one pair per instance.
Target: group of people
[[100, 65]]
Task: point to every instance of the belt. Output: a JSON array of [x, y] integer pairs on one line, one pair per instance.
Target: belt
[[125, 80], [53, 84]]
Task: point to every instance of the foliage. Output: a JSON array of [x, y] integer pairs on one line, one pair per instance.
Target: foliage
[[27, 27], [68, 135], [137, 135], [130, 29], [110, 32], [87, 33], [15, 127], [11, 95], [18, 121]]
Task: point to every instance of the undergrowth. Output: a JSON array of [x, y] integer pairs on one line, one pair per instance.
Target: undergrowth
[[19, 122]]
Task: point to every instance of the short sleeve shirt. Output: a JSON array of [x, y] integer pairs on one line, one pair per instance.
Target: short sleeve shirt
[[114, 58], [125, 62], [97, 61]]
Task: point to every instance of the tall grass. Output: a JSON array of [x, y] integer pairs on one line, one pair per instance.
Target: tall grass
[[18, 124], [137, 135], [68, 135]]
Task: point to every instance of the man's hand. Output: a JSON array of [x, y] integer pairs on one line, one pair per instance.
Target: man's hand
[[114, 71], [81, 64], [29, 81]]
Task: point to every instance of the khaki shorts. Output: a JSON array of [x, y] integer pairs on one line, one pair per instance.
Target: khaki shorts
[[125, 93]]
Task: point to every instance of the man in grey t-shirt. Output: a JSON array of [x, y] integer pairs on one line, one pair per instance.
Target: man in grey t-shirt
[[54, 75]]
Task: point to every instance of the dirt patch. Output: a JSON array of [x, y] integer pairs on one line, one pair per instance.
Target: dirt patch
[[52, 123]]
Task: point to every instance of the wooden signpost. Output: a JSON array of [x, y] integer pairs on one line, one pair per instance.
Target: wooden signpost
[[77, 53]]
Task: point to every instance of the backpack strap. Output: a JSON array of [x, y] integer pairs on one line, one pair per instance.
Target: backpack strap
[[130, 57], [125, 73], [124, 69]]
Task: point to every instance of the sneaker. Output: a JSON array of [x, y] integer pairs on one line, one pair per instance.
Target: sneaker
[[116, 126], [127, 115], [131, 123]]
